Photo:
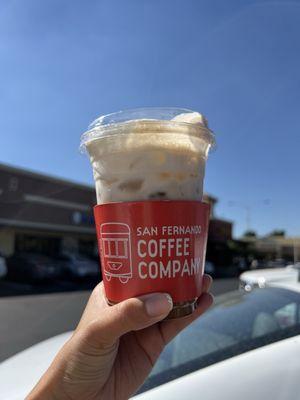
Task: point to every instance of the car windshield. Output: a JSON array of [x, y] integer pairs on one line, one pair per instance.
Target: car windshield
[[238, 322]]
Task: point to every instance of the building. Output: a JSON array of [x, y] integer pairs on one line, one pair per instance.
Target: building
[[272, 247], [220, 230], [44, 214], [219, 237]]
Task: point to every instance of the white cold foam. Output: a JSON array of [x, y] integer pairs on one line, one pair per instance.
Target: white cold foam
[[191, 118], [149, 161]]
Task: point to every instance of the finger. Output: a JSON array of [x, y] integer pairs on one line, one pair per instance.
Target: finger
[[95, 306], [129, 315], [206, 283], [170, 328]]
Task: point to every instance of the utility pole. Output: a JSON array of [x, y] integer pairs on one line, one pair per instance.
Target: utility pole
[[295, 252], [248, 217]]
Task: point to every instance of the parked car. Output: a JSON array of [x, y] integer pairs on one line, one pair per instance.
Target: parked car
[[278, 263], [209, 268], [240, 263], [3, 267], [31, 267], [246, 346], [266, 277], [76, 266], [257, 264]]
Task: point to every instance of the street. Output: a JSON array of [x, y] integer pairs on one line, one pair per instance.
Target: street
[[27, 320]]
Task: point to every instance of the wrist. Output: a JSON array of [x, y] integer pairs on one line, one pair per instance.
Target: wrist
[[50, 386]]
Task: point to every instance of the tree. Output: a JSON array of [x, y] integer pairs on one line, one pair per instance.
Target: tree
[[251, 234], [278, 233]]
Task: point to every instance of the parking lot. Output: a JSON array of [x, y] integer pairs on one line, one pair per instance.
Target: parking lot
[[29, 319], [11, 288]]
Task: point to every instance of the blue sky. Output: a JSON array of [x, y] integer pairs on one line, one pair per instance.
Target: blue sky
[[63, 63]]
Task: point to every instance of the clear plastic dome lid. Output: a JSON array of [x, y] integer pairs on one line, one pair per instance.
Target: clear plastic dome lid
[[143, 120]]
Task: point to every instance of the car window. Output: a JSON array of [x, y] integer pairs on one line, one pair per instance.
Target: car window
[[238, 323], [287, 315]]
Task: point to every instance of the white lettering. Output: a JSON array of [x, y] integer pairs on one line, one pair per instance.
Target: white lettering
[[147, 231], [176, 267], [178, 247], [195, 265], [181, 230], [140, 243], [141, 275], [170, 246], [186, 245], [153, 270], [162, 246], [165, 271], [186, 268], [171, 269], [152, 248]]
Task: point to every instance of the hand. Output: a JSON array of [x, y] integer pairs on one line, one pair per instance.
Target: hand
[[113, 349]]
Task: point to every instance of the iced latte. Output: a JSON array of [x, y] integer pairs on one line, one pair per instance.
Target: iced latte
[[154, 157]]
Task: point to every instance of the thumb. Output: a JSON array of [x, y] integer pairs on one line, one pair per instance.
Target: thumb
[[129, 315]]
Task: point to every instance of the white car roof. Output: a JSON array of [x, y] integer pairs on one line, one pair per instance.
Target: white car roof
[[267, 272], [275, 277], [294, 286], [20, 373], [270, 372]]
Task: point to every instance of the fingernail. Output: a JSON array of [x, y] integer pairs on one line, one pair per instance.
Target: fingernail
[[158, 304], [207, 282]]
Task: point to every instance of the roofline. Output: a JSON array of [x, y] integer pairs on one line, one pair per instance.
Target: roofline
[[272, 239], [229, 221], [213, 198], [46, 226], [50, 178]]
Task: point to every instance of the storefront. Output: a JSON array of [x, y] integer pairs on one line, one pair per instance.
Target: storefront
[[42, 214]]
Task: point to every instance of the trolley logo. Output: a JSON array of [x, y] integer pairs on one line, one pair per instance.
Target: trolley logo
[[116, 251], [156, 258]]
